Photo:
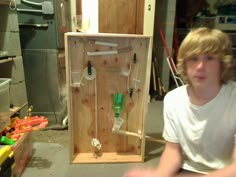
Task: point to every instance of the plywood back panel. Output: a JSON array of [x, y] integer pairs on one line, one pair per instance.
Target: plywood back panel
[[90, 97]]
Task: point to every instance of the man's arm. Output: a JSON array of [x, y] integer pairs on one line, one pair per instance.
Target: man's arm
[[229, 171], [170, 161], [169, 165]]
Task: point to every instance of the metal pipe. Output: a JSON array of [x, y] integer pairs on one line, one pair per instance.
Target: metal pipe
[[111, 52]]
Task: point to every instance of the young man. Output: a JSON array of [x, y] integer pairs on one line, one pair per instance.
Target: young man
[[199, 117]]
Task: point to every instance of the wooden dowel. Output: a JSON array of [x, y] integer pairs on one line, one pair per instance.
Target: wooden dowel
[[149, 138]]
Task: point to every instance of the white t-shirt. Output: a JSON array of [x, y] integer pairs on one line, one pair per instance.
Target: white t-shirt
[[205, 133]]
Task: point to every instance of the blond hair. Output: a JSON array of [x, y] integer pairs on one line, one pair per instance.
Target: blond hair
[[206, 41]]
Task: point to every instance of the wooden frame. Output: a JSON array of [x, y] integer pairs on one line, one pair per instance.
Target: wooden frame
[[5, 2], [97, 67], [23, 149]]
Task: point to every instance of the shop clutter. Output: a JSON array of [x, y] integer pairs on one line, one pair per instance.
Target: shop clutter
[[20, 126]]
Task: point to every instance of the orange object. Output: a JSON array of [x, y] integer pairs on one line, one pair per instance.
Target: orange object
[[29, 124]]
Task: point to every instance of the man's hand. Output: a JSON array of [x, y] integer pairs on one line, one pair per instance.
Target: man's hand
[[139, 172]]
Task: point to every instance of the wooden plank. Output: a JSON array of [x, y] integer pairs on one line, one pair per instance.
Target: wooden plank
[[78, 7], [22, 153], [117, 16], [69, 101], [146, 99], [6, 60]]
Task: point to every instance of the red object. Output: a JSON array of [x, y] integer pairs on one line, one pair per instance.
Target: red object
[[63, 29], [29, 124], [165, 46]]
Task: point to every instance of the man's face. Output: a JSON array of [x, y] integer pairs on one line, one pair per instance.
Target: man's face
[[203, 70]]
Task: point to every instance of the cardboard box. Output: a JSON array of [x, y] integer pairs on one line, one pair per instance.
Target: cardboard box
[[4, 103], [14, 69], [100, 67], [10, 42], [9, 19], [18, 95]]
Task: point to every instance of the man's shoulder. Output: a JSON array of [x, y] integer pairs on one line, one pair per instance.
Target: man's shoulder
[[231, 86], [177, 91], [176, 94]]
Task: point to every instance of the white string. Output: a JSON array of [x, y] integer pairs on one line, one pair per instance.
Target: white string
[[96, 109], [95, 142], [91, 77], [81, 79]]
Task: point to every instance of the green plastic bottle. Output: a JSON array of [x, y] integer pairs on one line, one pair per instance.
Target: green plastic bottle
[[118, 104]]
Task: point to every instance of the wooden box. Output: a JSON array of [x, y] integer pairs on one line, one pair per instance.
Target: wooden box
[[100, 67], [22, 153]]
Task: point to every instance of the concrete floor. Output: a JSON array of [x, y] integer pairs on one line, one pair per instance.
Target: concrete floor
[[51, 157]]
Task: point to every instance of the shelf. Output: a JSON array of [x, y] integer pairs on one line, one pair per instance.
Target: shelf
[[16, 109], [6, 60], [92, 100]]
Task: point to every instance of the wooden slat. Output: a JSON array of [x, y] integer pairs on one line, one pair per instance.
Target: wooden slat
[[78, 7], [106, 157], [22, 153]]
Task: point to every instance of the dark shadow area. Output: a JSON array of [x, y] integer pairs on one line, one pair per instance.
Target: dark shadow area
[[153, 149], [38, 162]]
